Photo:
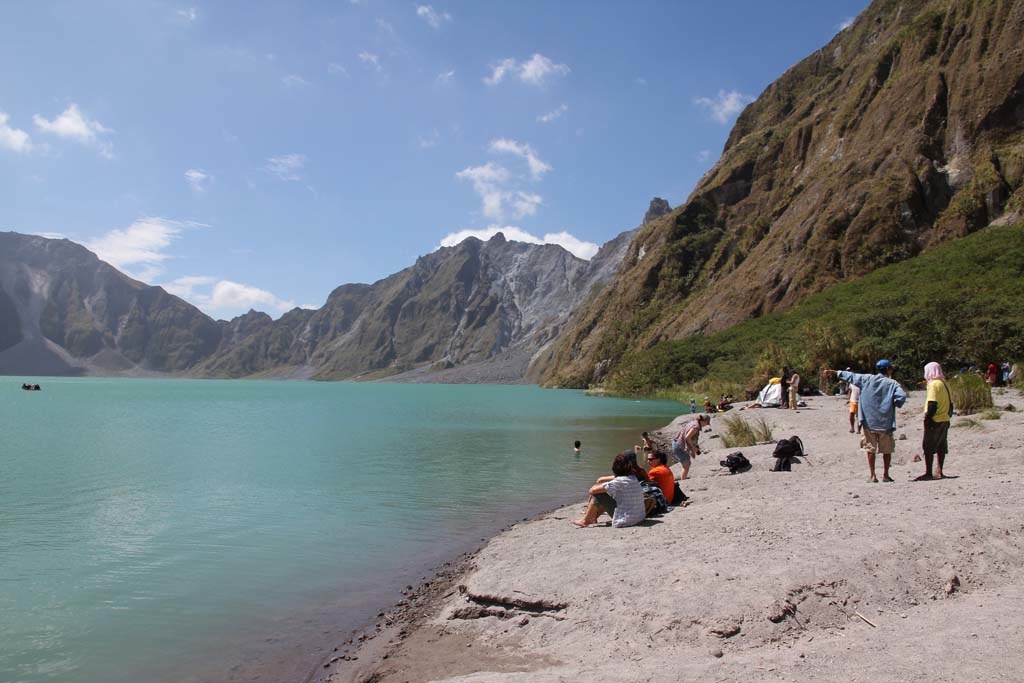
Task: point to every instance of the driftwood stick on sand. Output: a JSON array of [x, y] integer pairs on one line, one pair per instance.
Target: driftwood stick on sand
[[865, 620]]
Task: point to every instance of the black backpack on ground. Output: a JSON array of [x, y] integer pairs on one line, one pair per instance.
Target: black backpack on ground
[[736, 462], [786, 452]]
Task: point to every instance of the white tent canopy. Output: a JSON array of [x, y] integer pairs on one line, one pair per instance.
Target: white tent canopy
[[770, 396]]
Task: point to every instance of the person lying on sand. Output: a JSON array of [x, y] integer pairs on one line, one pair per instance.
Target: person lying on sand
[[621, 497]]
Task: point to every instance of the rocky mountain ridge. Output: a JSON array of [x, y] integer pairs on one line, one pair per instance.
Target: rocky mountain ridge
[[478, 311], [904, 132]]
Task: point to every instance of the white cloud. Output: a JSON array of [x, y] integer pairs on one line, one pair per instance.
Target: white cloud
[[386, 27], [188, 14], [431, 16], [487, 181], [71, 124], [335, 68], [579, 248], [226, 298], [535, 71], [295, 81], [704, 155], [525, 203], [538, 167], [726, 105], [12, 138], [554, 114], [845, 24], [445, 77], [640, 80], [142, 244], [197, 179], [370, 59], [430, 140], [286, 166]]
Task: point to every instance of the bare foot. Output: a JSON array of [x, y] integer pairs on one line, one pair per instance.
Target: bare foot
[[580, 523], [887, 479], [924, 477], [939, 475]]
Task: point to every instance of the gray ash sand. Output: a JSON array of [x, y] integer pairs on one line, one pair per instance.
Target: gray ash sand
[[803, 576]]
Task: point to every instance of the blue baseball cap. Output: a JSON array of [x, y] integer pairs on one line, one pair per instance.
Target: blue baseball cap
[[883, 364]]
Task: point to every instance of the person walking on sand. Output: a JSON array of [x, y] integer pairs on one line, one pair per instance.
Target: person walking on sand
[[938, 410], [794, 390], [684, 445], [621, 497], [854, 398], [880, 396]]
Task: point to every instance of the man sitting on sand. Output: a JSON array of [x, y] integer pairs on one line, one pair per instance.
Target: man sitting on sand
[[880, 396], [661, 475], [622, 498], [684, 446]]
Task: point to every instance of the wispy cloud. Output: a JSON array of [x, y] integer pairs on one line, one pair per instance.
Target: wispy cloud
[[845, 24], [445, 77], [371, 60], [12, 138], [641, 81], [553, 114], [287, 167], [71, 124], [704, 155], [295, 81], [189, 14], [725, 106], [197, 179], [432, 16], [225, 298], [141, 248], [487, 181], [579, 248], [430, 140], [335, 68], [386, 28], [538, 167], [535, 71]]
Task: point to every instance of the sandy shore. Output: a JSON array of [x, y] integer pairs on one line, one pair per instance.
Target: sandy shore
[[802, 576]]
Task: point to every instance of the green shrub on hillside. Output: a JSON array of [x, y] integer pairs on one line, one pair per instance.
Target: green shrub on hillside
[[959, 304]]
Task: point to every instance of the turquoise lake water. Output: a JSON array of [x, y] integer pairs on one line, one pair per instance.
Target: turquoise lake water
[[191, 530]]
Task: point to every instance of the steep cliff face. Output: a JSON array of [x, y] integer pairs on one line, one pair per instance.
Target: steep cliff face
[[905, 131], [63, 311]]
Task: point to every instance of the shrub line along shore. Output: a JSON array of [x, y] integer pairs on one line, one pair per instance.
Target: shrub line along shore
[[801, 576]]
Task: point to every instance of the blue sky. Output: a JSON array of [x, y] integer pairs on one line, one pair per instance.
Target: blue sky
[[256, 154]]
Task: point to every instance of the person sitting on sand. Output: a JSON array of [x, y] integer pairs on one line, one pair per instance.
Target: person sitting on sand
[[684, 445], [938, 410], [880, 396], [621, 497], [661, 475]]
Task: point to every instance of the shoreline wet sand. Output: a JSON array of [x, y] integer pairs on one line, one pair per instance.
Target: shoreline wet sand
[[809, 575]]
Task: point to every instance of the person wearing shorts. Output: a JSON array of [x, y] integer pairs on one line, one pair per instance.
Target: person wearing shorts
[[880, 396], [854, 399], [684, 445]]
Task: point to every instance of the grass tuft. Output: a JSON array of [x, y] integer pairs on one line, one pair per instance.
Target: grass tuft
[[738, 432], [971, 394], [990, 414], [968, 423]]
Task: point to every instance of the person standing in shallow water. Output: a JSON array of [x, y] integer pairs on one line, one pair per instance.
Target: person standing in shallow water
[[880, 396], [937, 412]]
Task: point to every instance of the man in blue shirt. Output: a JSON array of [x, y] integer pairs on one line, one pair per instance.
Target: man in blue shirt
[[880, 396]]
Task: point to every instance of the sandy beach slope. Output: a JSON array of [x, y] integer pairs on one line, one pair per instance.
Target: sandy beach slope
[[803, 576]]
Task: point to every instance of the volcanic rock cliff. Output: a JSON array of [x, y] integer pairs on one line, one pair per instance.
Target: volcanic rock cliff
[[905, 131], [64, 311]]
